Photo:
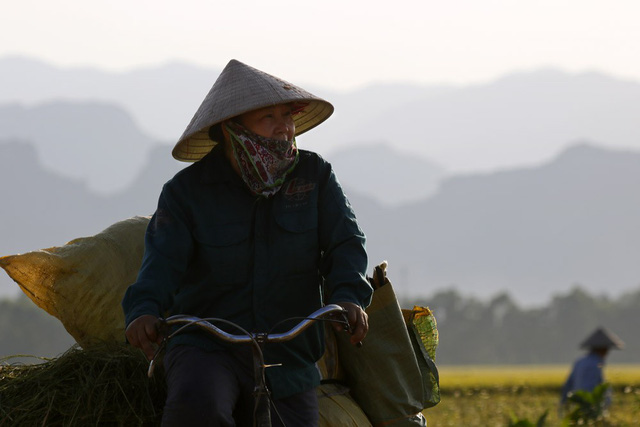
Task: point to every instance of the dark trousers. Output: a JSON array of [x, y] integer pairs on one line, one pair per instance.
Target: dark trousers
[[216, 389]]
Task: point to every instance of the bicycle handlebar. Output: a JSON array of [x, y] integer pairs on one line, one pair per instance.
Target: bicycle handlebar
[[248, 337]]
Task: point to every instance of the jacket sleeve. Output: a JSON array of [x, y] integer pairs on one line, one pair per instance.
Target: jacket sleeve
[[168, 247], [343, 263]]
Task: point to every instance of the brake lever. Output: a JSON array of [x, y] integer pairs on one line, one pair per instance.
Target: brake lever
[[347, 326]]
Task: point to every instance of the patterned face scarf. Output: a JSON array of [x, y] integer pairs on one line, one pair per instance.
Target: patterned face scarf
[[264, 162]]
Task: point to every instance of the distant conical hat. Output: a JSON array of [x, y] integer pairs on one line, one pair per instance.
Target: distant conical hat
[[603, 338], [239, 89]]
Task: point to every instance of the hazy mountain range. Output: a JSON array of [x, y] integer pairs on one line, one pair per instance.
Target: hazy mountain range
[[77, 154], [522, 119], [532, 232], [101, 145]]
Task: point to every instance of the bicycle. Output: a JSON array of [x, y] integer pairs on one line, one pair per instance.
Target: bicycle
[[262, 405]]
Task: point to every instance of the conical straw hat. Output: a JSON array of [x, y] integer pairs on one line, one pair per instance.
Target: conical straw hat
[[602, 338], [238, 89]]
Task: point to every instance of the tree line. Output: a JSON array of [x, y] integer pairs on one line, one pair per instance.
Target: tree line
[[498, 331], [471, 331]]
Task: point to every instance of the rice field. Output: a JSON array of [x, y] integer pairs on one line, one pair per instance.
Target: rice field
[[109, 387], [490, 396]]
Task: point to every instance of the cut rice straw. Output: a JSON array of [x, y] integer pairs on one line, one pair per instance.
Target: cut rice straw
[[105, 385]]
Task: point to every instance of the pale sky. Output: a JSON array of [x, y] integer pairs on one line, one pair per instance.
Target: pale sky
[[340, 44]]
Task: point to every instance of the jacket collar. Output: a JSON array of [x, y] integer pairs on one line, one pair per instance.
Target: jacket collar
[[216, 167]]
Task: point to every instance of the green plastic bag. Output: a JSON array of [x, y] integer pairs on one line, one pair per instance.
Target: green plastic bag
[[393, 376]]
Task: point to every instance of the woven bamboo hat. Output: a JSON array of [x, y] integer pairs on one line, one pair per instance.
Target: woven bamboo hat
[[239, 89], [602, 338]]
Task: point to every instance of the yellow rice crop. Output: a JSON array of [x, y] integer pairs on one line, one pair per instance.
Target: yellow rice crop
[[527, 375], [491, 395]]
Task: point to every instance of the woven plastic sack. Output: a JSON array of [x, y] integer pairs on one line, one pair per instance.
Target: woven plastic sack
[[338, 408], [83, 282], [392, 376]]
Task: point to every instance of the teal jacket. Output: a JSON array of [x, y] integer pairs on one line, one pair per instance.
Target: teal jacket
[[212, 249]]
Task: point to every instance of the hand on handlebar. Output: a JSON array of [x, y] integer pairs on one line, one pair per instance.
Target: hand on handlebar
[[146, 331], [143, 334], [358, 322]]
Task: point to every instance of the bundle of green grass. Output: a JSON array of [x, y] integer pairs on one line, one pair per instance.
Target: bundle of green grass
[[102, 385]]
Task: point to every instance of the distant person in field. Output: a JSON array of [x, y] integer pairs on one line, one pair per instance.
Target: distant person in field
[[587, 370]]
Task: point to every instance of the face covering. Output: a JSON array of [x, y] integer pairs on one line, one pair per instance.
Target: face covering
[[264, 162]]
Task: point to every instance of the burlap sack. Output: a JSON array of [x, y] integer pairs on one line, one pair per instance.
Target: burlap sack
[[83, 282]]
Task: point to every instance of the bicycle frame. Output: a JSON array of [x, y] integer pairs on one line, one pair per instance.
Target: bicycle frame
[[262, 409]]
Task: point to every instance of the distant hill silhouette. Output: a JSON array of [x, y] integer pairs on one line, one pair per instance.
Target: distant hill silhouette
[[103, 146], [382, 172], [533, 232], [522, 119], [96, 142], [162, 99]]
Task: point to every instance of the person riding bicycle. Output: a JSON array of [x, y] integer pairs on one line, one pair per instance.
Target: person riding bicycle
[[254, 232]]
